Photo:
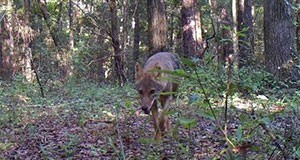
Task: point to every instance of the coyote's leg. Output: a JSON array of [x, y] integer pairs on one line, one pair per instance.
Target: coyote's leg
[[154, 111], [164, 122]]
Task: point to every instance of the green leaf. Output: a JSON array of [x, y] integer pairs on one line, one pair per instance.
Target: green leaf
[[188, 62], [188, 123], [207, 115], [239, 133], [146, 140]]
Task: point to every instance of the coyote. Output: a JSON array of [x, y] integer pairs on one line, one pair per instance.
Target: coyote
[[150, 84]]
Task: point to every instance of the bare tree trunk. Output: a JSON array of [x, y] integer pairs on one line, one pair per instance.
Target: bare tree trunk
[[245, 25], [27, 71], [234, 30], [46, 15], [2, 38], [136, 40], [124, 29], [279, 33], [298, 27], [118, 61], [60, 20], [157, 26], [71, 23], [226, 47], [192, 29], [8, 54], [171, 35]]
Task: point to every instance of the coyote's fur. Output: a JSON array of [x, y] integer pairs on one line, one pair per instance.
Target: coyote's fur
[[151, 84]]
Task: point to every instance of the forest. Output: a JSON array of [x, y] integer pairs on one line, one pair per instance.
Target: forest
[[222, 79]]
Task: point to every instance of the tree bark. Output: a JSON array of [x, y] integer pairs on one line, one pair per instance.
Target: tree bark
[[71, 27], [136, 40], [27, 71], [192, 29], [2, 38], [52, 30], [298, 27], [8, 54], [157, 26], [234, 31], [279, 33], [118, 60], [226, 47], [245, 26]]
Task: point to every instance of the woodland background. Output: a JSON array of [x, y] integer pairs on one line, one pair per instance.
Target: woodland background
[[67, 78]]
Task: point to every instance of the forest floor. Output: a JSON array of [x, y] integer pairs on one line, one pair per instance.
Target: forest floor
[[104, 124]]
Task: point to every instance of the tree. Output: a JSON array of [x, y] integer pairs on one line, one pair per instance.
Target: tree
[[157, 26], [7, 54], [245, 29], [226, 47], [234, 30], [191, 25], [136, 39], [52, 28], [71, 23], [114, 34], [27, 39], [279, 33], [298, 26]]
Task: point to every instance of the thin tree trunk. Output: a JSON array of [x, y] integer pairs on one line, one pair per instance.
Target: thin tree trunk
[[226, 47], [298, 27], [157, 26], [234, 30], [245, 25], [2, 38], [9, 62], [118, 61], [124, 29], [71, 24], [192, 29], [47, 18], [171, 36], [27, 71], [136, 40]]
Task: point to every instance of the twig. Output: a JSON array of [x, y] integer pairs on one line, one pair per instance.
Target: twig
[[37, 78], [211, 108], [273, 138], [118, 132]]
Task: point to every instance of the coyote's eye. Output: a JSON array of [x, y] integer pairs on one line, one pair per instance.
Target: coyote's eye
[[152, 91], [140, 91]]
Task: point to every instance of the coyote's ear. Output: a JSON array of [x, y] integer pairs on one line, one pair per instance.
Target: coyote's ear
[[138, 71], [157, 74]]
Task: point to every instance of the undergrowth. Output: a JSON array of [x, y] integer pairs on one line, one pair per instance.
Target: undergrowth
[[100, 120]]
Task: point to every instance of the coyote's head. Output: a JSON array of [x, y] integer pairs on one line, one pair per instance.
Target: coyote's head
[[148, 87]]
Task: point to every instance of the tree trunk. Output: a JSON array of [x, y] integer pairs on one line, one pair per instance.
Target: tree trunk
[[234, 31], [136, 40], [124, 22], [71, 23], [245, 26], [157, 26], [226, 47], [8, 54], [2, 38], [279, 33], [118, 61], [298, 27], [52, 30], [27, 58], [191, 25]]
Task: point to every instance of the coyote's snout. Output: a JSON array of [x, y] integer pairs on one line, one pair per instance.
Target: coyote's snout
[[150, 85]]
